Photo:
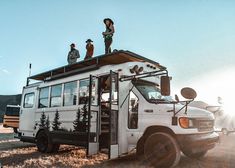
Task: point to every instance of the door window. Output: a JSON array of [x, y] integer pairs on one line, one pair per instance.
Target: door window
[[133, 111], [28, 100]]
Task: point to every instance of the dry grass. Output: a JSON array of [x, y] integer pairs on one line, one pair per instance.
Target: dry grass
[[68, 156]]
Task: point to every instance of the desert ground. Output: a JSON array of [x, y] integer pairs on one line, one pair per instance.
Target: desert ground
[[14, 153]]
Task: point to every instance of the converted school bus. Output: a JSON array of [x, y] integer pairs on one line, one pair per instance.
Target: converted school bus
[[118, 102]]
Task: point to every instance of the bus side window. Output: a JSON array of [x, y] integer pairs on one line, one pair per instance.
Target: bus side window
[[43, 97], [70, 93], [83, 91], [28, 100], [133, 111], [56, 92]]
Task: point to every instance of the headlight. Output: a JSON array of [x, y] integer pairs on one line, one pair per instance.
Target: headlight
[[185, 122]]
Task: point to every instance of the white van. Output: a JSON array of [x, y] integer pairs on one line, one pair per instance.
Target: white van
[[118, 102]]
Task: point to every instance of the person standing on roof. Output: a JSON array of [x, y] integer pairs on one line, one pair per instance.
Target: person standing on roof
[[108, 34], [73, 54], [89, 49]]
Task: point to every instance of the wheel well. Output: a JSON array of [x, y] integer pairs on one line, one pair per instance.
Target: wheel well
[[149, 131], [152, 129]]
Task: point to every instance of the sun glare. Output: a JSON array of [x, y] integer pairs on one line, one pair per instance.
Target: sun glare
[[217, 84]]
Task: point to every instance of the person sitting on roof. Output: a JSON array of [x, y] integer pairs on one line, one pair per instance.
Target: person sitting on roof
[[89, 49], [73, 54], [108, 34]]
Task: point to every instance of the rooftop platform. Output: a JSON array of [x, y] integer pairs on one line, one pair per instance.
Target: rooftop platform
[[113, 58]]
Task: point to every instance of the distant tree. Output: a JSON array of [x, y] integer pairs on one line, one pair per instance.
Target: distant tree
[[42, 120], [77, 124], [56, 123], [47, 123]]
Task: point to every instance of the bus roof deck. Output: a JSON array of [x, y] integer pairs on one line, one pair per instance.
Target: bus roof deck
[[113, 58]]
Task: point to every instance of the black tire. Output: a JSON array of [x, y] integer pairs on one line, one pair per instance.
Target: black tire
[[55, 148], [43, 143], [161, 150], [15, 130], [197, 155], [140, 147]]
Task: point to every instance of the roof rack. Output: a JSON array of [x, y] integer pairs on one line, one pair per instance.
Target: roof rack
[[116, 57]]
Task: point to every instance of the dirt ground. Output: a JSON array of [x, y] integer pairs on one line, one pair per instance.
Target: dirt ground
[[17, 154]]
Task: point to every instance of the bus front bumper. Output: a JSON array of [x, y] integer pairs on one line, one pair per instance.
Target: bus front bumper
[[198, 142]]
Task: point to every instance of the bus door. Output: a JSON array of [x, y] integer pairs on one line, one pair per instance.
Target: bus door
[[27, 111], [113, 105], [93, 117]]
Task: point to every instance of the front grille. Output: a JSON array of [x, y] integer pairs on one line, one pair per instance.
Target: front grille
[[205, 125]]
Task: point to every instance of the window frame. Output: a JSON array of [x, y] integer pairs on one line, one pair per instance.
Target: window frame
[[50, 95], [77, 94], [26, 94], [79, 86], [48, 98]]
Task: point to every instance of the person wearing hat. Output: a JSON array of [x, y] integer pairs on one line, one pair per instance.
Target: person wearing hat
[[108, 34], [73, 54], [89, 49]]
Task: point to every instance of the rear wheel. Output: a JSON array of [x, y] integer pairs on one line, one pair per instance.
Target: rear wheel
[[43, 143], [197, 155], [15, 130], [55, 148], [161, 150]]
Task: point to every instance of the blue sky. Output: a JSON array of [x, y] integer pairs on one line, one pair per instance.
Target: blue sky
[[193, 38]]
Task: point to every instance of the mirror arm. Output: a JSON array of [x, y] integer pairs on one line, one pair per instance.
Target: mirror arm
[[185, 106], [127, 95]]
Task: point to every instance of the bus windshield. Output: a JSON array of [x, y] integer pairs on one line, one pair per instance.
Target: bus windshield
[[152, 93], [12, 111]]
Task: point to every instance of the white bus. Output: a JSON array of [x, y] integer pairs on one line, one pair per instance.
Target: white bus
[[117, 102]]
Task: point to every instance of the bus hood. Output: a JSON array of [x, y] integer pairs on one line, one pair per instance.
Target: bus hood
[[195, 112]]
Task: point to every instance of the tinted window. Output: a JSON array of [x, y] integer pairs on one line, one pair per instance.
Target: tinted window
[[83, 91], [28, 100], [56, 95], [70, 93], [43, 97], [12, 111], [133, 111]]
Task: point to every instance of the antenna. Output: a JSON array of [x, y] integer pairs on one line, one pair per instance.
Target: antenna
[[30, 67]]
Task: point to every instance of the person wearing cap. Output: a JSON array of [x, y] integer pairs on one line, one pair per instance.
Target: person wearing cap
[[108, 34], [73, 54], [89, 49]]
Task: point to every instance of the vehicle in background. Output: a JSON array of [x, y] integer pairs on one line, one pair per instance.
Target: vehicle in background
[[223, 122], [11, 117], [118, 102]]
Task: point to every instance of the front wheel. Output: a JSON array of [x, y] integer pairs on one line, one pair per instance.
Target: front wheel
[[197, 155], [161, 150]]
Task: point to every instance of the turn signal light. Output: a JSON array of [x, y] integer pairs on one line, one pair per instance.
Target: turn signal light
[[184, 122]]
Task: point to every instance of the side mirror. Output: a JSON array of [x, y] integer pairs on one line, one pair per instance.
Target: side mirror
[[188, 93], [165, 85]]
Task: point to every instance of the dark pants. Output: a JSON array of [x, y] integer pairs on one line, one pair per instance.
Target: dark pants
[[108, 43]]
